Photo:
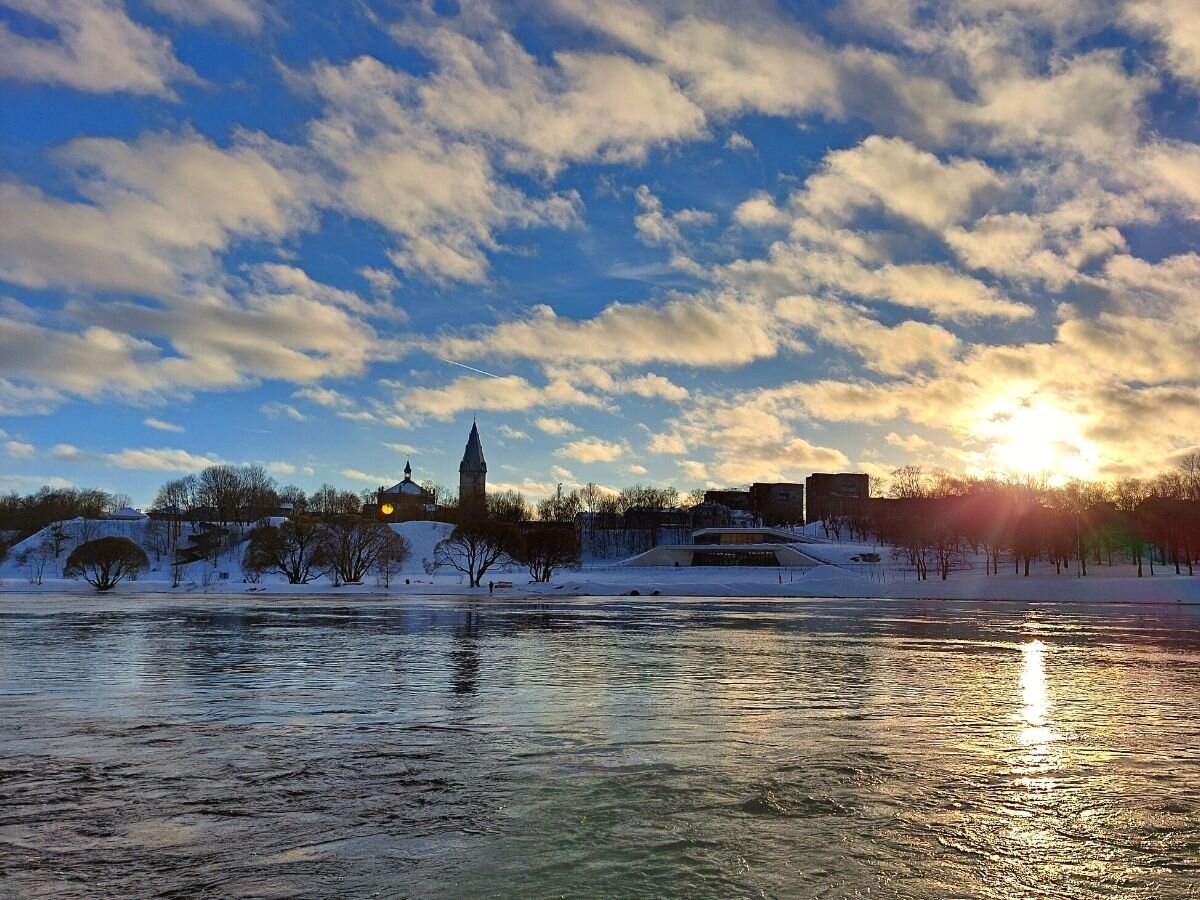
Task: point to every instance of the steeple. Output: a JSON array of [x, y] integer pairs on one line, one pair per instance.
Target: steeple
[[472, 473], [408, 468], [473, 456]]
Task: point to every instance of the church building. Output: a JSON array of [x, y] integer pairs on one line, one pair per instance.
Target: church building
[[405, 501]]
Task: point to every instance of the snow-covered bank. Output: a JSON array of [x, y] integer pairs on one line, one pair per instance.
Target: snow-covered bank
[[848, 570]]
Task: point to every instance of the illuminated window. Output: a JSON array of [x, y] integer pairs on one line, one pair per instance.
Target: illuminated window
[[387, 509]]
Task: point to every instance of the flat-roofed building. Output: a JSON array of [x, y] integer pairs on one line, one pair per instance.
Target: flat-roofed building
[[731, 547], [833, 494]]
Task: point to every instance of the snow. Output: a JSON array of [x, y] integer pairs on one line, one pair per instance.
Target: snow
[[842, 573]]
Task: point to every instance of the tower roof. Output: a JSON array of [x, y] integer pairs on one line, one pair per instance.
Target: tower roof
[[473, 456]]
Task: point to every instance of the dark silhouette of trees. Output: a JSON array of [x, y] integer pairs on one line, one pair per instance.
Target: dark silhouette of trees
[[22, 516], [544, 547], [106, 561], [296, 549], [508, 506], [476, 546], [933, 518], [392, 556], [353, 546], [328, 501]]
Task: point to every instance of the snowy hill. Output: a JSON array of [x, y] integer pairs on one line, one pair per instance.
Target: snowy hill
[[422, 536]]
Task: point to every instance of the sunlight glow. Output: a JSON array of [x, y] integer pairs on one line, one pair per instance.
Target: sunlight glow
[[1034, 695], [1039, 438]]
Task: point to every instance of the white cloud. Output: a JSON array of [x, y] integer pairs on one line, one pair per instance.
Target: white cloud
[[738, 142], [893, 174], [760, 211], [326, 397], [1087, 104], [685, 330], [160, 425], [163, 459], [582, 107], [934, 287], [96, 48], [654, 227], [276, 410], [591, 450], [912, 443], [366, 478], [555, 426], [400, 448], [562, 474], [892, 350], [281, 467], [71, 453], [669, 444], [21, 400], [512, 433], [508, 394], [437, 192], [635, 469], [651, 385], [20, 450], [1176, 24], [154, 212], [246, 15]]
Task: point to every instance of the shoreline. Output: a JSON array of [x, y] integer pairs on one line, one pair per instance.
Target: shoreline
[[945, 591]]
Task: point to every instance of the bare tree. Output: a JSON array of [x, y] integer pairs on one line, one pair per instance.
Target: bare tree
[[544, 548], [294, 495], [392, 557], [353, 546], [327, 501], [34, 559], [156, 537], [508, 506], [296, 549], [220, 488], [174, 502], [475, 547], [259, 497]]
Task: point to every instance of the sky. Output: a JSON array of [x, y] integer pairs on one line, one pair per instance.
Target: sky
[[687, 244]]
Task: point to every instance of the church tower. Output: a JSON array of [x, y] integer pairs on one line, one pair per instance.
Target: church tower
[[472, 474]]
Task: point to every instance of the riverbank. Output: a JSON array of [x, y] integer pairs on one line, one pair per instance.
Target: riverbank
[[819, 582]]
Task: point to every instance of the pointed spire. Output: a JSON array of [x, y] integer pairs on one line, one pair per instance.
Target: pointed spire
[[407, 469], [473, 455]]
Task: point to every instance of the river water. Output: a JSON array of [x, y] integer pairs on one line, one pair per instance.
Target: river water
[[438, 748]]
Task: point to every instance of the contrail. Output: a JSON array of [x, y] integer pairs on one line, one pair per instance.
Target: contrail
[[471, 368]]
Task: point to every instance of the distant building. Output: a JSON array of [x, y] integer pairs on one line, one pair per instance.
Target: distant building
[[472, 474], [404, 501], [778, 503], [830, 494], [731, 499], [126, 514], [771, 503], [731, 547]]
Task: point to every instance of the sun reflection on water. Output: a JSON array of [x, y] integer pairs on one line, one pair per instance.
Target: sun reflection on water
[[1035, 696]]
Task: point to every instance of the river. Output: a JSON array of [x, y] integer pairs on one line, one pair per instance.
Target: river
[[598, 747]]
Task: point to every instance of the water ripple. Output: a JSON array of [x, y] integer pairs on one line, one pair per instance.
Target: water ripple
[[599, 748]]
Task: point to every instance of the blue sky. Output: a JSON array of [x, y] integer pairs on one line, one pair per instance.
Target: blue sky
[[694, 244]]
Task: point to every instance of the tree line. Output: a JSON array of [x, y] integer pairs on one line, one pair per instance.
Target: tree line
[[937, 521]]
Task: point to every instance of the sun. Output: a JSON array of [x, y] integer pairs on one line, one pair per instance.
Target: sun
[[1037, 437]]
